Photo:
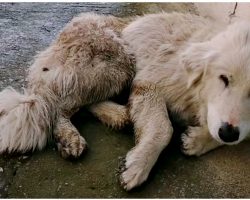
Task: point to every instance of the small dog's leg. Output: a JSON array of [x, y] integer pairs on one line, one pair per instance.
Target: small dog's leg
[[197, 141], [111, 114], [69, 141], [153, 131]]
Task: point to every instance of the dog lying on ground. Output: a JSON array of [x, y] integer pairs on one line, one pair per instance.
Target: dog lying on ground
[[192, 67], [185, 64]]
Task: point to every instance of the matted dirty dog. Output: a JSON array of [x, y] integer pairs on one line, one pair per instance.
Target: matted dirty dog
[[178, 63]]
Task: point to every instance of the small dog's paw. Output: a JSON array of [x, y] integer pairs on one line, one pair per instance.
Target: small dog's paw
[[72, 147], [193, 141], [132, 172]]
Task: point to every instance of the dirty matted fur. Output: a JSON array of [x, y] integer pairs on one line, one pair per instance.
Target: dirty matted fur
[[86, 64], [195, 68]]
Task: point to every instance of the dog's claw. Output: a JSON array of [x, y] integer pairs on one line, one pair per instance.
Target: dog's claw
[[182, 142], [122, 166], [121, 169], [72, 149]]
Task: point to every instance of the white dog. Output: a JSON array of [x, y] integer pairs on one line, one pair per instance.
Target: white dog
[[185, 64], [195, 68]]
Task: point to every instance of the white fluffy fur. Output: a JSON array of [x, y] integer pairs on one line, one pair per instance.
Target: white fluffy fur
[[25, 121], [179, 60]]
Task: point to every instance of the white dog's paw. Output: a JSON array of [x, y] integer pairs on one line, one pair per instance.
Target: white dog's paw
[[133, 171], [72, 147], [193, 141]]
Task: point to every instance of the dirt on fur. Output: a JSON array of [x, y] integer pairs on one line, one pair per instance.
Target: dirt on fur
[[27, 28]]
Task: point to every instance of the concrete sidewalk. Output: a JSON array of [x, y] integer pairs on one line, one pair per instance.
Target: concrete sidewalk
[[26, 28]]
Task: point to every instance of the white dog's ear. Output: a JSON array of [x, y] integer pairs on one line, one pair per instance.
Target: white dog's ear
[[195, 60]]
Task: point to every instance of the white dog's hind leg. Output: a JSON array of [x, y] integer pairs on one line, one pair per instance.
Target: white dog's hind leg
[[111, 114], [197, 141], [69, 141], [153, 131]]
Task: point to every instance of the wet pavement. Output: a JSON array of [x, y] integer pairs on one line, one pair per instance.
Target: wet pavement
[[25, 29]]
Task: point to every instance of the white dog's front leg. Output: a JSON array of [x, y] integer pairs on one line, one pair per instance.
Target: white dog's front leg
[[153, 131], [197, 141]]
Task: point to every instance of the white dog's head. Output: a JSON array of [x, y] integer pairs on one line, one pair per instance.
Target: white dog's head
[[222, 65]]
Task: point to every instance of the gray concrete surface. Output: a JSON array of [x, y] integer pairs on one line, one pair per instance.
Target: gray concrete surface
[[26, 28]]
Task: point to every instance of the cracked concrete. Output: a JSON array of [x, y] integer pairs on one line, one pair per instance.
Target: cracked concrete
[[26, 28]]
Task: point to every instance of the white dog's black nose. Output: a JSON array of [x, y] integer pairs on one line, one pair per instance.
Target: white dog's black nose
[[229, 133]]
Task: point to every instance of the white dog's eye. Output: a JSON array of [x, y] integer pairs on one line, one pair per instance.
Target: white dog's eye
[[225, 79]]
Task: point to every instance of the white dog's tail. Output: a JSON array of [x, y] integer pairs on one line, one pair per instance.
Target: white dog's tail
[[25, 121]]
